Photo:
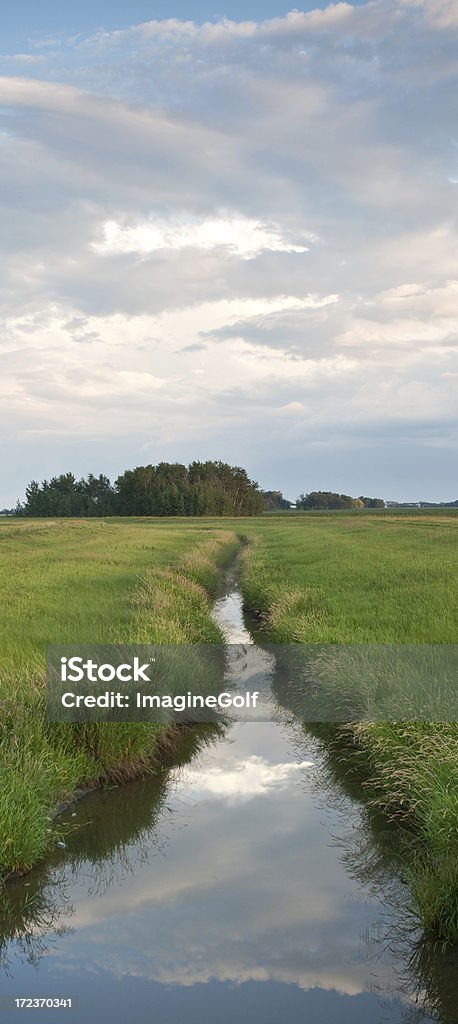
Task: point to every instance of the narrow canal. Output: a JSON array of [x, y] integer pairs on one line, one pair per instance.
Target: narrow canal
[[245, 884]]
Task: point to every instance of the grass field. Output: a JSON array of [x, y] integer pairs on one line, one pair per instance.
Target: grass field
[[87, 581], [355, 578], [377, 579], [340, 578]]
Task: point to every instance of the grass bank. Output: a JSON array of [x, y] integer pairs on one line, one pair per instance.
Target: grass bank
[[324, 578], [116, 581], [378, 579]]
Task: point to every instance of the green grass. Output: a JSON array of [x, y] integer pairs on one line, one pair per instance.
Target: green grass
[[348, 578], [80, 581], [365, 580], [72, 580], [354, 578]]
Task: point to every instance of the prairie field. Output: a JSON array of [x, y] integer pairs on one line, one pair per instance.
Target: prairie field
[[352, 578], [378, 579], [118, 581], [329, 578]]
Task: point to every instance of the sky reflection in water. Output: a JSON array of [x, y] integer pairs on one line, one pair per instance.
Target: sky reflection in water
[[241, 884]]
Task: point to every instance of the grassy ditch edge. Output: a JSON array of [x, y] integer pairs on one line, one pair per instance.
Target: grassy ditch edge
[[408, 770], [44, 765]]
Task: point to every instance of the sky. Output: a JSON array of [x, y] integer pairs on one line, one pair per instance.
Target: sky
[[231, 233]]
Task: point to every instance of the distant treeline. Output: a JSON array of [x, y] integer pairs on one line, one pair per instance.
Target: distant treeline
[[172, 489], [169, 489], [330, 499], [422, 504], [274, 500]]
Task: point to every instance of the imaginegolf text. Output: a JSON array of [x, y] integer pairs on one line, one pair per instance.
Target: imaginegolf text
[[178, 702]]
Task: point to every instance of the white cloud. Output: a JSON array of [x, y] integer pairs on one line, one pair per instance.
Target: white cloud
[[243, 236], [251, 777]]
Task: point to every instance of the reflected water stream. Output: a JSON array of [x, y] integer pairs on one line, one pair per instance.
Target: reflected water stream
[[245, 883]]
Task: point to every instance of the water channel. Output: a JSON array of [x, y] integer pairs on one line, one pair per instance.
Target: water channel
[[247, 883]]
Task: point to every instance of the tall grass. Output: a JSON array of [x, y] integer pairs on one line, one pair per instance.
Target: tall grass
[[354, 578], [412, 774], [366, 580], [88, 582]]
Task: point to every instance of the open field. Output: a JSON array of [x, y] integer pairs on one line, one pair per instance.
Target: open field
[[354, 578], [100, 581], [340, 578], [380, 579]]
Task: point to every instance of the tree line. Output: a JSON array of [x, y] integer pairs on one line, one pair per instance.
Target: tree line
[[168, 489], [332, 500], [275, 502], [172, 489]]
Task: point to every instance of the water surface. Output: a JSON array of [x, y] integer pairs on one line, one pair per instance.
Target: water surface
[[243, 884]]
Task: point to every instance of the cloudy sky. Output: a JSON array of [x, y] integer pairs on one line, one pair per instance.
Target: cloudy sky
[[231, 233]]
